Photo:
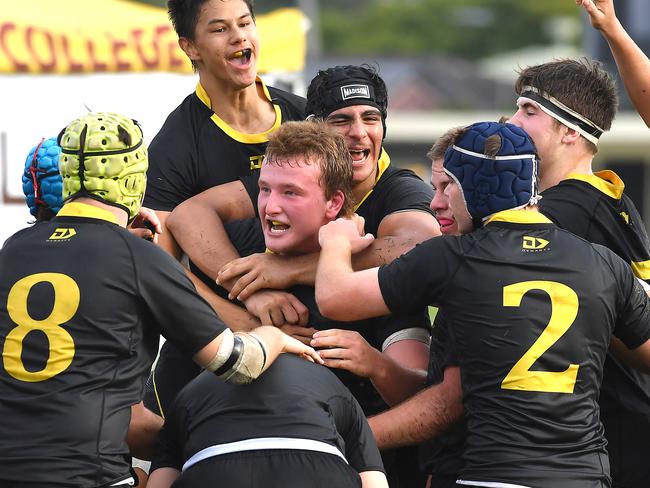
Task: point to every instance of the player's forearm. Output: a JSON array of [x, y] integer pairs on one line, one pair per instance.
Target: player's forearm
[[396, 383], [424, 416], [383, 250], [200, 233], [333, 277], [235, 317], [633, 66]]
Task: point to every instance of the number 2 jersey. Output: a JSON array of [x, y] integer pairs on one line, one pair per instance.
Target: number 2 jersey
[[79, 297], [530, 309]]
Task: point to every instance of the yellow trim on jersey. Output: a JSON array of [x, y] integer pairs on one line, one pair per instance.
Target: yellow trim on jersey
[[235, 134], [605, 181], [78, 209], [519, 217], [382, 164], [641, 269]]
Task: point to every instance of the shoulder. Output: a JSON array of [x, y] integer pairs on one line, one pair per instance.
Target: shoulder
[[184, 120], [292, 104]]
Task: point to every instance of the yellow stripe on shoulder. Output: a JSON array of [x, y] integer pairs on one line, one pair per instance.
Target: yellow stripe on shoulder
[[641, 269]]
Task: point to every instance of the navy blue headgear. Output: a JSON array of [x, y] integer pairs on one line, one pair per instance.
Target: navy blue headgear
[[505, 181], [42, 183]]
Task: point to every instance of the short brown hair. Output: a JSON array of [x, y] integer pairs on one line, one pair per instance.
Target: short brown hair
[[320, 145], [444, 142], [581, 84]]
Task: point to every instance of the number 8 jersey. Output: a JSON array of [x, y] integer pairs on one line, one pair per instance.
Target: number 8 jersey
[[79, 297], [531, 309]]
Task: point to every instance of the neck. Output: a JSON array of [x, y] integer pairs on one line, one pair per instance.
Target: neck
[[120, 214], [558, 169], [362, 188], [244, 109]]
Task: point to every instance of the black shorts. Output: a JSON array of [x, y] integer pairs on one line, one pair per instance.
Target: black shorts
[[172, 372], [272, 468], [628, 446]]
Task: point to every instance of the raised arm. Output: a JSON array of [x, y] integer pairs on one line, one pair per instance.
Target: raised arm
[[633, 64], [342, 293], [398, 233], [197, 225]]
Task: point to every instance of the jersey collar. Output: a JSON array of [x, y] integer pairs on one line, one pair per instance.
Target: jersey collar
[[235, 134], [518, 217], [77, 209], [382, 166], [606, 182]]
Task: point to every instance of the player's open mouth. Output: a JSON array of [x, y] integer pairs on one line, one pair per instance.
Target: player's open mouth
[[444, 222], [359, 155], [277, 227], [242, 57]]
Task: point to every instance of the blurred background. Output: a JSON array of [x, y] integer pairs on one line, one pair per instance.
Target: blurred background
[[446, 63]]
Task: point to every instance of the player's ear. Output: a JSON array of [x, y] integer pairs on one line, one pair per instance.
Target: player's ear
[[334, 204], [188, 48], [569, 136]]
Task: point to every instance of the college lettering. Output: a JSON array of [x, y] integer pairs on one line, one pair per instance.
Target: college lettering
[[32, 49]]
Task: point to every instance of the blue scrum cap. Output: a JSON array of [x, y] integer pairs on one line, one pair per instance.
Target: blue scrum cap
[[490, 184], [42, 183]]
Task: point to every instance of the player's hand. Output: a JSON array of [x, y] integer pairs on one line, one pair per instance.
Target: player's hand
[[348, 229], [294, 346], [347, 349], [146, 225], [254, 273], [277, 308], [601, 13], [303, 334]]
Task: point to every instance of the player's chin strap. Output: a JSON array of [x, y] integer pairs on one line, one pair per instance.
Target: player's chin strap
[[240, 359], [565, 115]]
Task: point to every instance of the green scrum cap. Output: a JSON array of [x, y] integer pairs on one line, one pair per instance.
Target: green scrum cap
[[103, 157]]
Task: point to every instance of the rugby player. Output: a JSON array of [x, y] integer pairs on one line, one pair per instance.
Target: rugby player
[[565, 106], [633, 64], [219, 132], [79, 297], [296, 426], [529, 323]]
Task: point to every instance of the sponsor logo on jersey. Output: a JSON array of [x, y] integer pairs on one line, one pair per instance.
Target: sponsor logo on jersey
[[626, 217], [532, 244], [256, 162], [62, 233], [355, 91]]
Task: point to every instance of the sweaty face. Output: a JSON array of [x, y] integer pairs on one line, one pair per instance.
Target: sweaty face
[[292, 206], [225, 43], [440, 203], [362, 128], [458, 209]]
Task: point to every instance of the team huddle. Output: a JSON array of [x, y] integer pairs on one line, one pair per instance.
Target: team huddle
[[259, 223]]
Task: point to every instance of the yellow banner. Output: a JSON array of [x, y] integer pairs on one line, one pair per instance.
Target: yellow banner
[[90, 36]]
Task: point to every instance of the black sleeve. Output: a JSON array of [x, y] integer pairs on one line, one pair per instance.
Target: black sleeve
[[441, 352], [173, 159], [419, 277], [169, 451], [360, 446], [407, 192], [183, 316], [252, 188], [633, 324]]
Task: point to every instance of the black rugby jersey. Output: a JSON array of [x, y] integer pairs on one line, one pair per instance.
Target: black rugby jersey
[[293, 398], [396, 190], [81, 300], [596, 208], [531, 309], [196, 150]]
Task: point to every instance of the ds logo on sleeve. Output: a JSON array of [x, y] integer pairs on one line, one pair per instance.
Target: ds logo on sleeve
[[534, 243], [355, 91], [62, 233]]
